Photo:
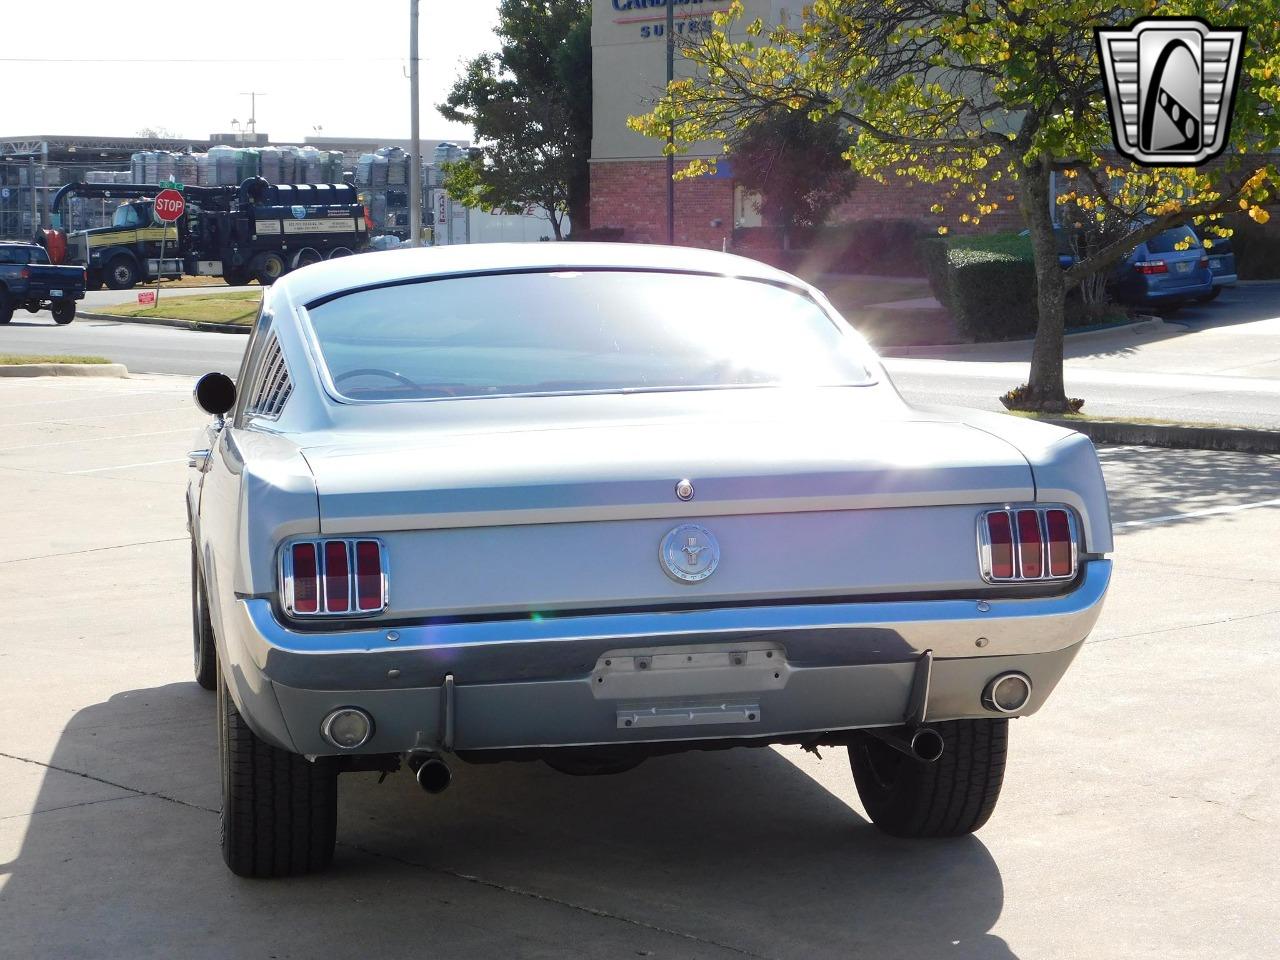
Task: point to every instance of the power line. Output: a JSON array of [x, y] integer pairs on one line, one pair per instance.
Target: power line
[[73, 60]]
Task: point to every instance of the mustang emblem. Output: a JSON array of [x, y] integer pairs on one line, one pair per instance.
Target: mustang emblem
[[689, 553], [692, 550]]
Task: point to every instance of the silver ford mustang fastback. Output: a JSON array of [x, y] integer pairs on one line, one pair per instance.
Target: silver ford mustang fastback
[[593, 503]]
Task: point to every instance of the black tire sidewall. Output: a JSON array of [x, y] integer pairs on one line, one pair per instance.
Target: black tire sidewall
[[261, 271], [6, 307], [204, 649], [64, 311], [953, 796], [118, 283]]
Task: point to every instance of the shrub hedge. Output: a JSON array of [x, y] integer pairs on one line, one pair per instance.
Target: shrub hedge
[[1256, 246], [987, 283]]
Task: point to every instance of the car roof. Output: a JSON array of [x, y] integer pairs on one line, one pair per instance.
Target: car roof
[[390, 266]]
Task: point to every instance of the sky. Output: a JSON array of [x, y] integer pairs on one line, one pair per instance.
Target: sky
[[340, 65]]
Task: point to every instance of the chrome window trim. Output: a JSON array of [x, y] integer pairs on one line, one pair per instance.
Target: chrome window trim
[[1011, 511], [867, 358], [284, 566]]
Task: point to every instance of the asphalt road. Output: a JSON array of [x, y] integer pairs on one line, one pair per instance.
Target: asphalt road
[[1137, 818], [1215, 363]]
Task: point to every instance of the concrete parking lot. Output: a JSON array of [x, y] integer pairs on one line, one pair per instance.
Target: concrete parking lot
[[1137, 818]]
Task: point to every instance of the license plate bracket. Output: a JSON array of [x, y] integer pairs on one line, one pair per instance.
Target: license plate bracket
[[696, 670]]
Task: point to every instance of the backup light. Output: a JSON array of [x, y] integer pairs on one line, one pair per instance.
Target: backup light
[[1007, 693], [347, 728], [335, 578], [1027, 543]]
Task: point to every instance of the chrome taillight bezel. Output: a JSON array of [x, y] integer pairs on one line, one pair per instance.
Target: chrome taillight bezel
[[1041, 510], [352, 610]]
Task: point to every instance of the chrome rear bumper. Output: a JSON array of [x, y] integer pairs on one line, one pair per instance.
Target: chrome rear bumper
[[531, 683]]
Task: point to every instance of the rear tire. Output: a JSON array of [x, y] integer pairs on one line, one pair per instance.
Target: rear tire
[[1210, 296], [6, 307], [92, 280], [279, 811], [337, 253], [953, 796], [121, 274], [236, 276], [305, 257], [206, 651], [64, 311], [267, 268]]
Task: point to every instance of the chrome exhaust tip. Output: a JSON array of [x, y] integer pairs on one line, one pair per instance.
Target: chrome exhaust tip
[[434, 775], [927, 744], [924, 744]]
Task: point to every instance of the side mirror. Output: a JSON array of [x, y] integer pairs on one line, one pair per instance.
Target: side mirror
[[215, 394]]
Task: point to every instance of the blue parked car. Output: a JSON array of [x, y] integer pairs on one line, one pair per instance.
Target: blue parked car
[[1222, 262], [1159, 272]]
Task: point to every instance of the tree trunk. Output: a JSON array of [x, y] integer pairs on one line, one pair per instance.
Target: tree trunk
[[1045, 388], [554, 216], [579, 202]]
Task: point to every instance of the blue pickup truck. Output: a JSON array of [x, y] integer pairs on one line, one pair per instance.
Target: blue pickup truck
[[28, 279]]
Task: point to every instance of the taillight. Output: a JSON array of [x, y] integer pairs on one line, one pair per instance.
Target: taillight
[[306, 593], [368, 575], [337, 577], [25, 273], [1151, 266], [1029, 543], [334, 578], [1062, 547], [1000, 534], [1204, 263]]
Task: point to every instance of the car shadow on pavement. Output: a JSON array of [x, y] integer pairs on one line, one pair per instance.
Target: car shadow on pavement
[[739, 851]]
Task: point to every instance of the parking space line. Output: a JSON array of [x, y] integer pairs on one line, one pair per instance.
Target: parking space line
[[126, 466], [1192, 514], [125, 436], [62, 421]]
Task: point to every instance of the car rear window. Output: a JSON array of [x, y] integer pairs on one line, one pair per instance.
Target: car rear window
[[16, 255], [579, 332], [1177, 240]]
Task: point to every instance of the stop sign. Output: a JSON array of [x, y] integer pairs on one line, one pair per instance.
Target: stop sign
[[169, 206]]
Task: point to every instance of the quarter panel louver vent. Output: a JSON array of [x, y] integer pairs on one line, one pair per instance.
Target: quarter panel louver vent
[[274, 385]]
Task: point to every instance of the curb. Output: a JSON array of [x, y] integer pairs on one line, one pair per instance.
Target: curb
[[943, 351], [1227, 439], [167, 322], [63, 370]]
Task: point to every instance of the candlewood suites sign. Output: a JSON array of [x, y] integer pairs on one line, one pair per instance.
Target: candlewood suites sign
[[647, 19]]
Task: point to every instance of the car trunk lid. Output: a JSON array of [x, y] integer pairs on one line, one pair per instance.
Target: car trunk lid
[[818, 457], [806, 500]]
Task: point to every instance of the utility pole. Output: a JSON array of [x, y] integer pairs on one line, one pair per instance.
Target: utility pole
[[31, 183], [415, 148], [44, 183], [671, 128]]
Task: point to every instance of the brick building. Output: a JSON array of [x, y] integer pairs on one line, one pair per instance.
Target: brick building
[[628, 171]]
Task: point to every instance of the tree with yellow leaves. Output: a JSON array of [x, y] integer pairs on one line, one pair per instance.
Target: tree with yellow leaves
[[987, 98]]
